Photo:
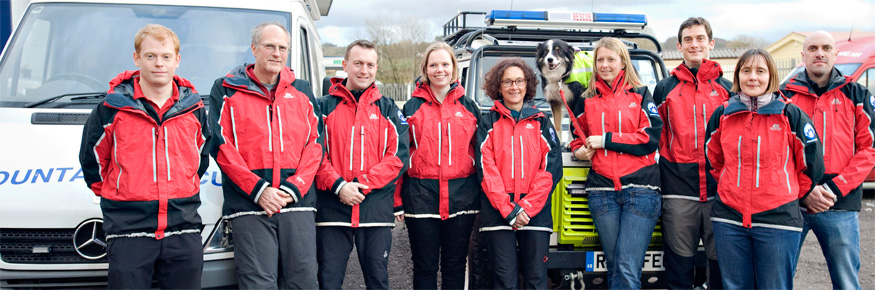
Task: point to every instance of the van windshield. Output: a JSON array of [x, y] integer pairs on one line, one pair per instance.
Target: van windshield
[[63, 48]]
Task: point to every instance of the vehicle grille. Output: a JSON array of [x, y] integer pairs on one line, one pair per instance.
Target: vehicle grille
[[53, 246], [571, 217]]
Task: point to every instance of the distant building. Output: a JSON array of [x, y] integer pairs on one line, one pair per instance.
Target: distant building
[[333, 66]]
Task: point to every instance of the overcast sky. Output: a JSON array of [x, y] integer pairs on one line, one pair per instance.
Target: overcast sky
[[767, 19]]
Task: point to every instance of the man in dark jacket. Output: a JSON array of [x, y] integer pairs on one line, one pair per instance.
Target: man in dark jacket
[[686, 100], [366, 141], [142, 153], [842, 112], [269, 148]]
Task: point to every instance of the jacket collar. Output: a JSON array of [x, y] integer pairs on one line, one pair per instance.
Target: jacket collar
[[424, 91], [800, 82], [338, 89], [528, 111], [616, 85], [709, 70], [121, 94], [775, 106], [241, 79]]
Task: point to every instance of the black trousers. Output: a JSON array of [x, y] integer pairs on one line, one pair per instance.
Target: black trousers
[[433, 240], [532, 257], [334, 244], [176, 261]]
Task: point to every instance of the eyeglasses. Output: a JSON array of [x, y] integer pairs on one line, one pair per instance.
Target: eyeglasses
[[274, 47], [509, 83]]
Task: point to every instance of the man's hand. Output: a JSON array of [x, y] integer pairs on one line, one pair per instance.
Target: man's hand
[[522, 219], [399, 218], [272, 200], [584, 153], [820, 200], [350, 194], [595, 142]]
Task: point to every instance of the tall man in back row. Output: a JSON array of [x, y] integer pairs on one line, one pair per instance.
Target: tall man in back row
[[366, 140], [842, 113], [269, 148], [686, 101]]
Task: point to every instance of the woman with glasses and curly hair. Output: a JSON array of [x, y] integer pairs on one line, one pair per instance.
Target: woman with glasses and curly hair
[[519, 163]]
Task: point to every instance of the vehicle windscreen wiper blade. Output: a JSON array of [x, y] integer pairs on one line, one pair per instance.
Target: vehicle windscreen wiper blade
[[74, 97]]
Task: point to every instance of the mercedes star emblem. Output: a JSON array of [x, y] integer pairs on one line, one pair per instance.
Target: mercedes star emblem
[[89, 240]]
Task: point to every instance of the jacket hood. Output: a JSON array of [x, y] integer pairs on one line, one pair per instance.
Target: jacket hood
[[802, 84], [243, 79], [709, 70], [338, 89], [121, 93], [424, 91]]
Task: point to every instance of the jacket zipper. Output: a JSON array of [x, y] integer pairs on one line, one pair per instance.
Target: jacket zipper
[[695, 128], [450, 137], [279, 120], [759, 142], [166, 154], [440, 143], [269, 129], [522, 159], [154, 157]]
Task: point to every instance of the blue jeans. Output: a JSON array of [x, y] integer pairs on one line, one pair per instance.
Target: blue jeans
[[838, 233], [756, 258], [625, 220]]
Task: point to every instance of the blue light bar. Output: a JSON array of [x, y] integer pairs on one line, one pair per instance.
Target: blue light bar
[[566, 20], [617, 17], [518, 15]]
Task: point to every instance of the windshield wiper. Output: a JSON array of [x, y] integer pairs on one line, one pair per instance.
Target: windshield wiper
[[74, 97]]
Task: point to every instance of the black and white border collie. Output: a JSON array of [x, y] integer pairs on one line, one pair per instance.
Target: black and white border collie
[[555, 59]]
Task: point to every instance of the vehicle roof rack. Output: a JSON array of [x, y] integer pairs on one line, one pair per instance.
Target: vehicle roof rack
[[537, 26]]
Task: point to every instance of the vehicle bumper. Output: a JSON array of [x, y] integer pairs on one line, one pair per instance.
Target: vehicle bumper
[[216, 274]]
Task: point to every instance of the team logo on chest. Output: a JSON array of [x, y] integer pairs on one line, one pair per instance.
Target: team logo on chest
[[529, 126], [289, 96], [632, 105], [458, 114], [775, 127], [373, 116]]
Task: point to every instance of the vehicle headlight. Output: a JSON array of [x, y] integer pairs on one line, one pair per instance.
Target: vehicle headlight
[[220, 239]]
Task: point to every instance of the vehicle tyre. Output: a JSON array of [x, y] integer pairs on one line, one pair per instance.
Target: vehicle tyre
[[479, 267]]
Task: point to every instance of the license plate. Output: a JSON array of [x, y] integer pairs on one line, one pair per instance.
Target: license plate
[[595, 262]]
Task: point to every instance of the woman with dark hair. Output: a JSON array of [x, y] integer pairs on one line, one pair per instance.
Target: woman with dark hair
[[621, 129], [440, 190], [519, 163], [764, 153]]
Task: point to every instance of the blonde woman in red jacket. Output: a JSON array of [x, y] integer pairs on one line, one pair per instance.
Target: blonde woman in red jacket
[[621, 129]]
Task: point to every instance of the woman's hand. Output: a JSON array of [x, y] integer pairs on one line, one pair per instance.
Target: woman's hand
[[595, 142], [522, 219], [584, 153]]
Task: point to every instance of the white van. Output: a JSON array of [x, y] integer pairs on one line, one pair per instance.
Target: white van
[[56, 68]]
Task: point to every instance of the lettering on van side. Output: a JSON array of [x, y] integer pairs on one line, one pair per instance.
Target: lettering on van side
[[72, 174]]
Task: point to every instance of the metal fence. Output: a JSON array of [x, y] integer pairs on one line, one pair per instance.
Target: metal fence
[[397, 92], [784, 66]]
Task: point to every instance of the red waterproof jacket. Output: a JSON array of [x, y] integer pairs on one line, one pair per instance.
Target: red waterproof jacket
[[264, 139], [685, 102], [441, 181], [842, 117], [366, 142], [519, 163], [763, 161], [146, 168], [628, 120]]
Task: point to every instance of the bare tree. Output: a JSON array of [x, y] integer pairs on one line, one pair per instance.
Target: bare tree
[[400, 38], [747, 41]]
